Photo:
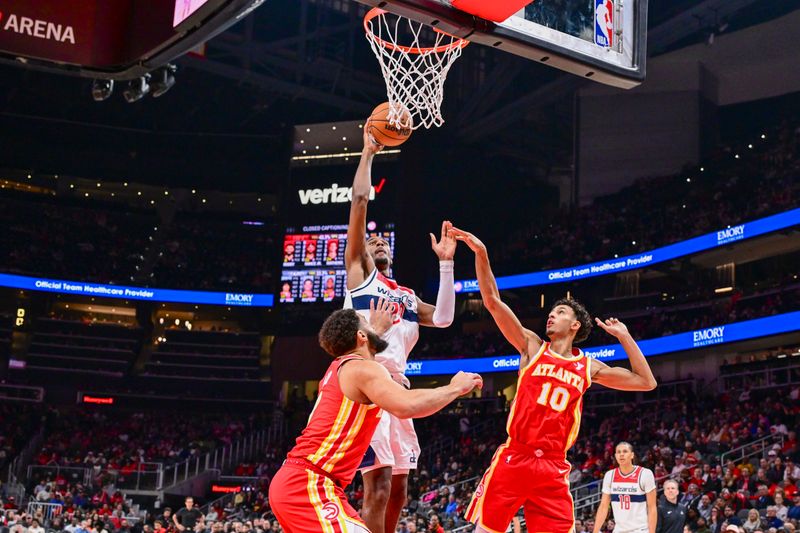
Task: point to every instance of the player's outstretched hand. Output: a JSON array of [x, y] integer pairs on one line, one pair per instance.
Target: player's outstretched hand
[[471, 240], [380, 315], [465, 382], [445, 249], [613, 327], [370, 145]]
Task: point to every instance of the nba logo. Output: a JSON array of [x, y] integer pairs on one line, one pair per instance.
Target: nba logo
[[603, 22]]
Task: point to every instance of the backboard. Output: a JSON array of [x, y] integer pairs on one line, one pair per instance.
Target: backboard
[[602, 40]]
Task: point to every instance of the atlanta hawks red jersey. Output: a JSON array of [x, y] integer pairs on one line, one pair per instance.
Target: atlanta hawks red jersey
[[546, 413], [339, 430]]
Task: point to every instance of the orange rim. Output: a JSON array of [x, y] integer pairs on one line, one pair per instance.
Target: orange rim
[[377, 12]]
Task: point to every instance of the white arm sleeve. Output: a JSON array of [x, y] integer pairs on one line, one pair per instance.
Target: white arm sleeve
[[607, 482], [647, 480], [446, 299]]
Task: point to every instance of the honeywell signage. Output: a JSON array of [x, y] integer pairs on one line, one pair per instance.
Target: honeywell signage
[[65, 31]]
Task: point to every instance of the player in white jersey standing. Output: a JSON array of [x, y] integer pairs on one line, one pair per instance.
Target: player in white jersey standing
[[394, 449], [631, 491]]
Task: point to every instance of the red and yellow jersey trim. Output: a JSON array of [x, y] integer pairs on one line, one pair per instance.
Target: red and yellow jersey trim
[[521, 375]]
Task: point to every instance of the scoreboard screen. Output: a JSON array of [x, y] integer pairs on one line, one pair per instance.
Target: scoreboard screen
[[313, 262]]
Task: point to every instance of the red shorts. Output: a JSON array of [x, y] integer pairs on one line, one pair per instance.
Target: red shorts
[[520, 476], [305, 501]]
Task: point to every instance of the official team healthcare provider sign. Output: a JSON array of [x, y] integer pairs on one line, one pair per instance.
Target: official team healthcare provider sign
[[709, 241], [80, 288], [725, 333]]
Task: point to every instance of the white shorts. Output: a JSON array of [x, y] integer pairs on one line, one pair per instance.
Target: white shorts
[[394, 444]]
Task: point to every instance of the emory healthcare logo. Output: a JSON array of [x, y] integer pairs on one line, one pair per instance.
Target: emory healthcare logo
[[705, 337], [413, 367], [37, 28], [733, 233], [238, 299]]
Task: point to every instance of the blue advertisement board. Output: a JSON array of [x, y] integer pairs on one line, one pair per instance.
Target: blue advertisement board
[[80, 288], [702, 243], [726, 333]]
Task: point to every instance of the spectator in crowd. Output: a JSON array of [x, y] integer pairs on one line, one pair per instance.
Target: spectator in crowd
[[772, 519], [188, 517], [753, 521], [671, 513], [794, 510]]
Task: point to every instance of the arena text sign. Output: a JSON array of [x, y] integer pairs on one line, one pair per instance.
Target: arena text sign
[[37, 28]]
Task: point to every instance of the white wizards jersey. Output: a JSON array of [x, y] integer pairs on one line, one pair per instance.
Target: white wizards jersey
[[404, 333], [629, 497]]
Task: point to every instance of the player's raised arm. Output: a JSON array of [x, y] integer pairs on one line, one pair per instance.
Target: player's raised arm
[[523, 339], [357, 261], [638, 378], [441, 315], [369, 382]]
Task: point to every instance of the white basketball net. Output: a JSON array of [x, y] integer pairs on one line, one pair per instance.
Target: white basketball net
[[414, 74]]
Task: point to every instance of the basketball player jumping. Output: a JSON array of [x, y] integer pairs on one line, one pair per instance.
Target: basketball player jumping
[[307, 493], [394, 449], [631, 492], [530, 470]]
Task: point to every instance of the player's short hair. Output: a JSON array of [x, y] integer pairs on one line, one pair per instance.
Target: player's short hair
[[581, 314], [628, 444], [338, 333]]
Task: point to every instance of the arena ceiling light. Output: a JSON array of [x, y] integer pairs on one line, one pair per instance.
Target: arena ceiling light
[[163, 80], [102, 89], [137, 89]]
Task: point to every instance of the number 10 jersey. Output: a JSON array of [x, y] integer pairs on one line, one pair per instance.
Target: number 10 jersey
[[546, 413]]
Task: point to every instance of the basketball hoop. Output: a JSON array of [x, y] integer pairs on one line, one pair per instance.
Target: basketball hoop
[[414, 74]]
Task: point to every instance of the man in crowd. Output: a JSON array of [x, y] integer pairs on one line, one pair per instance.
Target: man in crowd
[[671, 513], [187, 518]]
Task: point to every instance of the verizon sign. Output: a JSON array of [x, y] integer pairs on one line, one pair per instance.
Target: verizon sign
[[37, 28], [334, 194]]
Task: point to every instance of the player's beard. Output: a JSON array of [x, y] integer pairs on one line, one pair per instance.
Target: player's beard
[[376, 344], [382, 263]]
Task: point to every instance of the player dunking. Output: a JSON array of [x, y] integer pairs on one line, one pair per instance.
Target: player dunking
[[530, 470], [307, 493], [631, 492], [394, 449]]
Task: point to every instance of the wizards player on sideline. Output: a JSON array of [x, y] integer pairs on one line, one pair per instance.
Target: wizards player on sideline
[[394, 449], [631, 491], [530, 470]]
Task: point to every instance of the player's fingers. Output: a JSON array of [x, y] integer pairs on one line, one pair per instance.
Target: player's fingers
[[444, 229], [372, 305], [433, 239], [460, 234]]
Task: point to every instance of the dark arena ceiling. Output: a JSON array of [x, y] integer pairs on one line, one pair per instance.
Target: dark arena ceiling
[[303, 62]]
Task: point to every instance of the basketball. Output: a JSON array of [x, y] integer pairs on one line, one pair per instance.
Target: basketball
[[383, 132]]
